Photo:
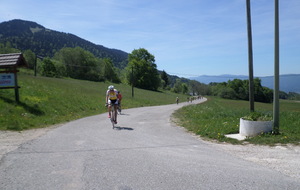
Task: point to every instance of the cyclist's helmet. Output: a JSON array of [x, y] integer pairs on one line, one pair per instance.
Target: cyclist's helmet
[[111, 87]]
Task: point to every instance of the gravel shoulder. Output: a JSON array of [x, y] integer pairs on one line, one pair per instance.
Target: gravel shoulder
[[282, 158], [12, 140]]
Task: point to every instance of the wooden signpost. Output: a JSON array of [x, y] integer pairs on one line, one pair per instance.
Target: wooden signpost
[[8, 71]]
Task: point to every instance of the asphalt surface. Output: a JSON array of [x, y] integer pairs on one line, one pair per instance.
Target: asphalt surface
[[145, 151]]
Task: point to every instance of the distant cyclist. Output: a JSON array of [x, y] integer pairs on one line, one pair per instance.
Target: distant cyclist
[[112, 100]]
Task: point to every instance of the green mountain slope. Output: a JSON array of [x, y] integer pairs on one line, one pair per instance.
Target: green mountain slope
[[44, 42]]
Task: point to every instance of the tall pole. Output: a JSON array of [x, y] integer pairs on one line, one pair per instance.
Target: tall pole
[[250, 57], [276, 73], [132, 87]]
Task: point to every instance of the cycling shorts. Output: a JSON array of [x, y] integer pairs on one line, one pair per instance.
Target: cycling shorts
[[112, 101]]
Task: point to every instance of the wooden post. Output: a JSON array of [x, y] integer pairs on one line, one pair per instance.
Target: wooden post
[[16, 85]]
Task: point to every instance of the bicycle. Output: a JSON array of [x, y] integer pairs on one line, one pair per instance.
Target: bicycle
[[112, 115]]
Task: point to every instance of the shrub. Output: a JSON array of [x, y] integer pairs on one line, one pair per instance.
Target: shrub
[[258, 116]]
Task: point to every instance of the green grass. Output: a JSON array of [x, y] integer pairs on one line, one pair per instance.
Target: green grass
[[218, 117], [47, 101]]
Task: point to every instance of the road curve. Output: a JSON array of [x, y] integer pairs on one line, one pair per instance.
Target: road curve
[[145, 151]]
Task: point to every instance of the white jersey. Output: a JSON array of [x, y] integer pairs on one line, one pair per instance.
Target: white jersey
[[112, 95]]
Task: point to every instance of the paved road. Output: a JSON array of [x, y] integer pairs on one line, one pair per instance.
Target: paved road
[[146, 151]]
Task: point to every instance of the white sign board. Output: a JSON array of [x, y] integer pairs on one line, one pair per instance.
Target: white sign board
[[7, 79]]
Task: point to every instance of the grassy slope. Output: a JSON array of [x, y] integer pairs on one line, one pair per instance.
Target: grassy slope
[[218, 117], [47, 101]]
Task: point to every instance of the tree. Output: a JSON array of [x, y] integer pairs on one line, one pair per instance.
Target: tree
[[80, 64], [141, 70], [7, 48], [30, 58], [227, 93], [165, 78], [109, 71], [240, 87], [177, 86], [48, 68], [60, 69], [198, 88], [185, 88]]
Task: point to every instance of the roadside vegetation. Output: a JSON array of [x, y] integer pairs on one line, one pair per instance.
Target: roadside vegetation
[[218, 117], [47, 101]]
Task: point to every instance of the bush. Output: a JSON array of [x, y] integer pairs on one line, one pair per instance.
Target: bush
[[48, 68], [227, 93], [258, 116]]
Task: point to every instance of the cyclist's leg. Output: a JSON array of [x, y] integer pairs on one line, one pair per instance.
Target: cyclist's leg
[[112, 113], [109, 108], [115, 112]]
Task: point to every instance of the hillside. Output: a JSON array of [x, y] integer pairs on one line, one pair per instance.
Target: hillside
[[47, 101], [44, 42], [288, 83]]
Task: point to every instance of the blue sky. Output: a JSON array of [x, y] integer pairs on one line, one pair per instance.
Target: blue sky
[[187, 37]]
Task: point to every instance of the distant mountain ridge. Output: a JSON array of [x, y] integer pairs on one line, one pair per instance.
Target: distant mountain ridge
[[288, 83], [44, 42]]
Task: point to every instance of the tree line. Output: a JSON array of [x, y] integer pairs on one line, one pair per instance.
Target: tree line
[[141, 72]]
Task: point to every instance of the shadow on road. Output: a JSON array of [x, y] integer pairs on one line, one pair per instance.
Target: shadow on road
[[124, 128], [124, 114]]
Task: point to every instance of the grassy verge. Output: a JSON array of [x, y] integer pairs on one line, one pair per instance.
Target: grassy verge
[[47, 101], [218, 117]]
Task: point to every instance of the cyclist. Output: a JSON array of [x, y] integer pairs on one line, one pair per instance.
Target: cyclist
[[112, 100], [119, 96]]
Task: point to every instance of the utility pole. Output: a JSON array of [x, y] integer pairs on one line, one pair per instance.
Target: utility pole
[[276, 73], [132, 81], [250, 57]]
